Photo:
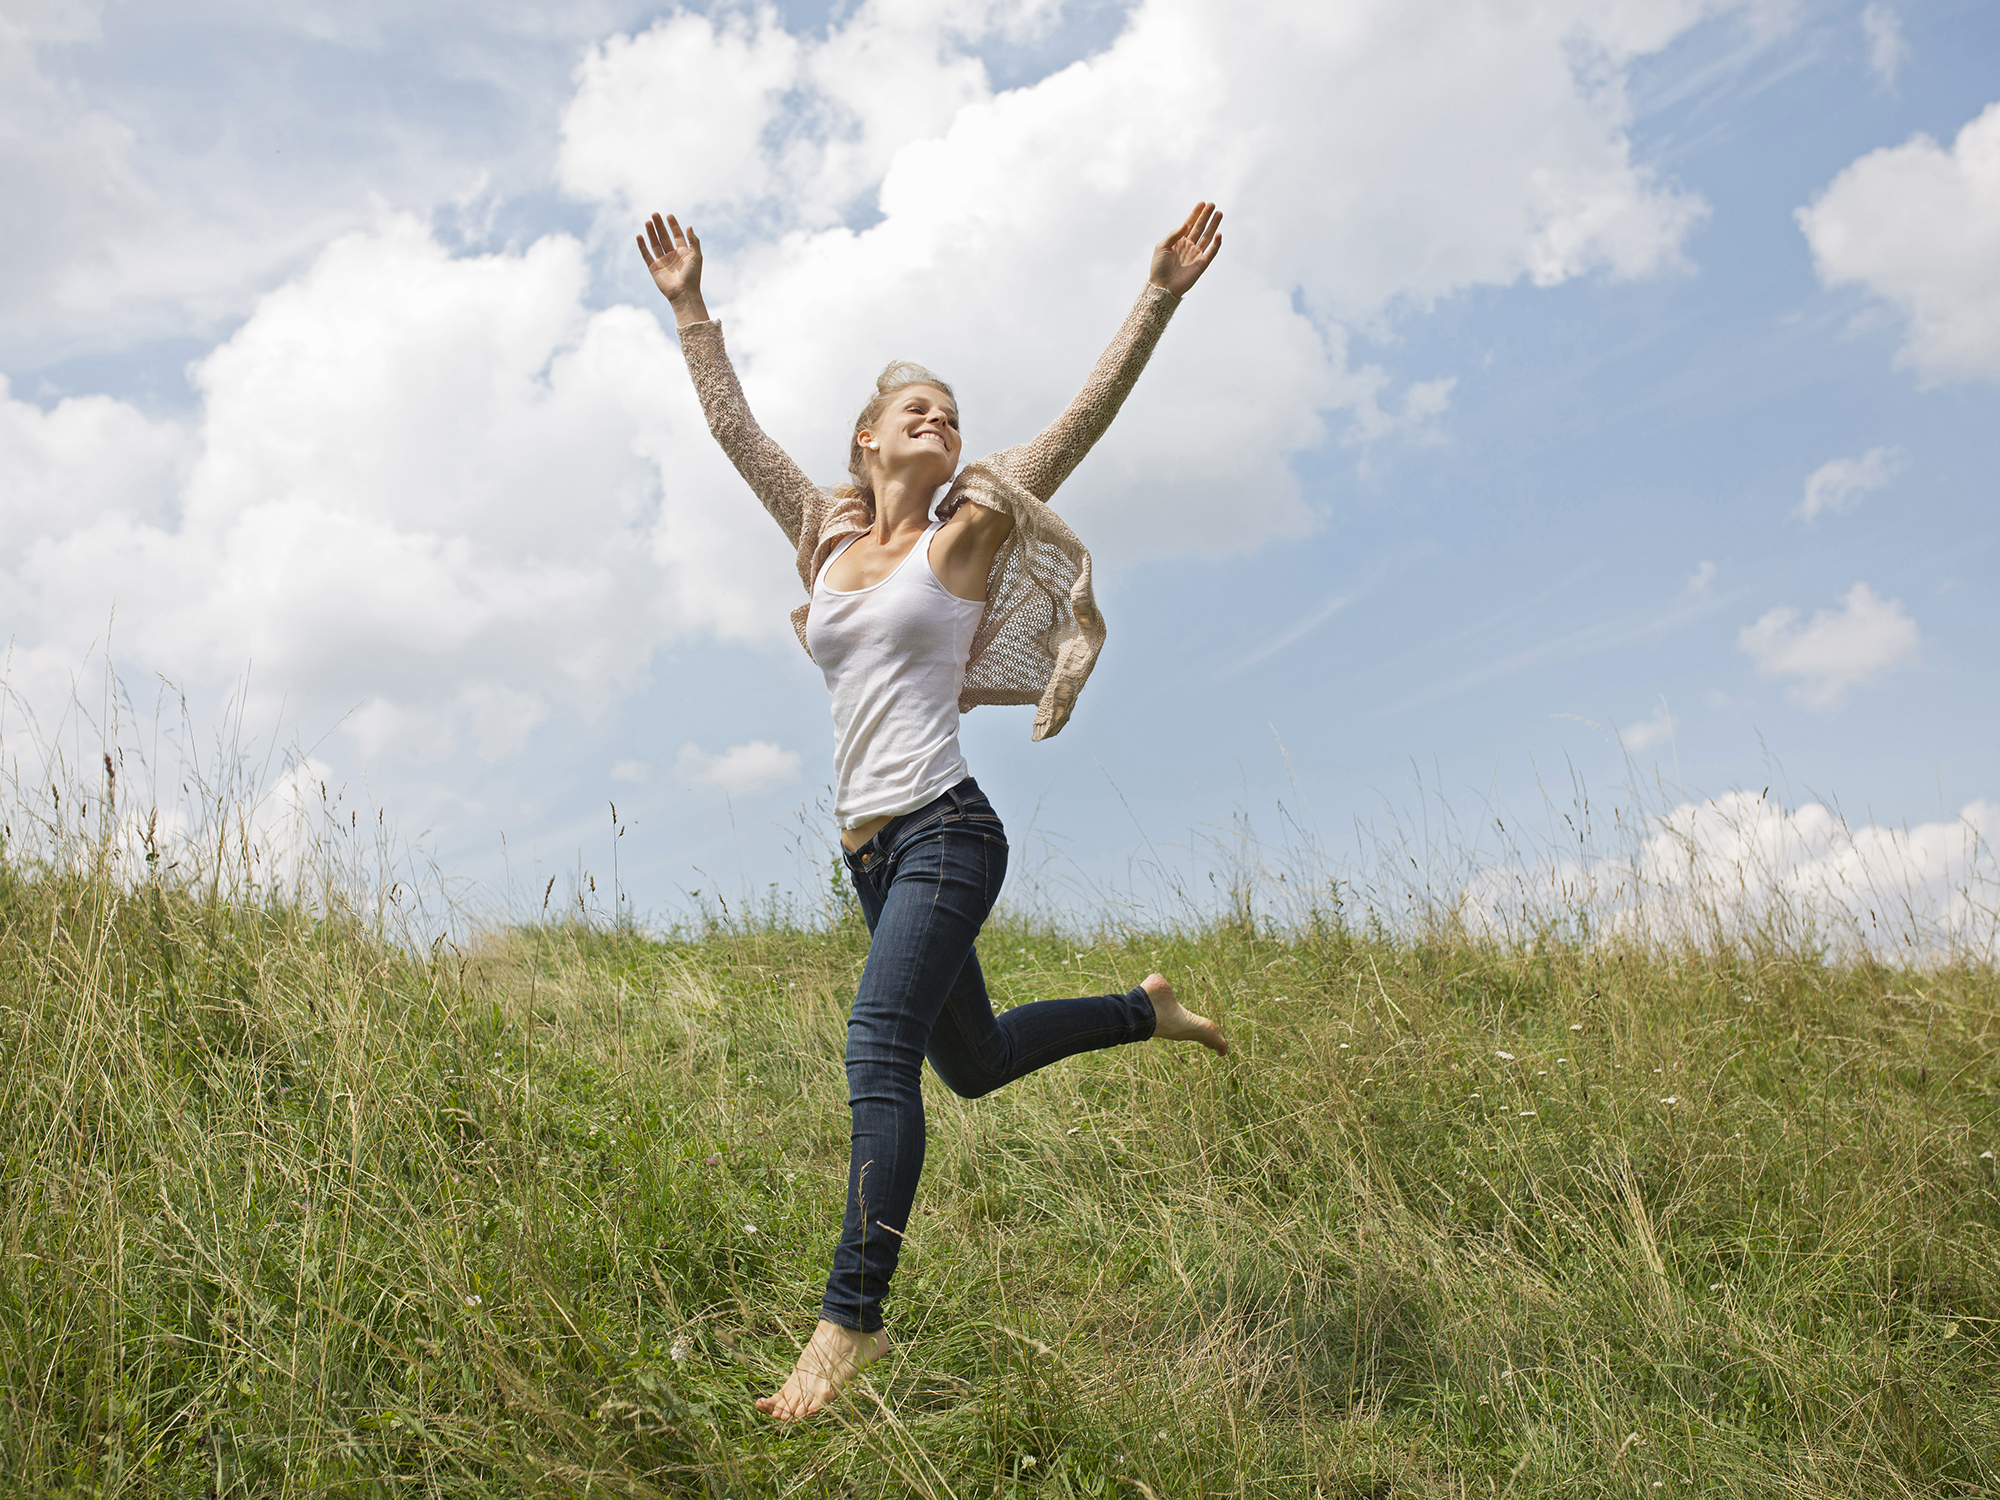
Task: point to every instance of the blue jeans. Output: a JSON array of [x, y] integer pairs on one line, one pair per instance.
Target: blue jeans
[[926, 882]]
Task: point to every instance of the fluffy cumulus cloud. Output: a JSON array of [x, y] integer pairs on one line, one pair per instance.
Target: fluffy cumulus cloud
[[1918, 226], [1741, 868], [78, 463], [431, 493], [444, 497], [741, 770], [1839, 483], [881, 198], [1837, 649]]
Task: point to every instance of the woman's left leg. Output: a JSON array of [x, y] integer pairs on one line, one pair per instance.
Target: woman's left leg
[[975, 1052]]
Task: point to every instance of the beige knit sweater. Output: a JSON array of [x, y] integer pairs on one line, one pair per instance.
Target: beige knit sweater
[[1041, 631]]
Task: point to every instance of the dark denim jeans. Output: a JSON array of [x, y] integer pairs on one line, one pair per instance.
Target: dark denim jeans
[[926, 882]]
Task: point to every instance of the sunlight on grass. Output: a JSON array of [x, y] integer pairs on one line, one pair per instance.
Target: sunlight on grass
[[297, 1203]]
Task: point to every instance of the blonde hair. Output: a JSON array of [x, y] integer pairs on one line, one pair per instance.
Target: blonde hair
[[897, 375]]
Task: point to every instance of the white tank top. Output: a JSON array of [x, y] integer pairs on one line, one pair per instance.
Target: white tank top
[[894, 658]]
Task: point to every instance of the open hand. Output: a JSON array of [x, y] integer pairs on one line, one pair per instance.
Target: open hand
[[1180, 258], [673, 255]]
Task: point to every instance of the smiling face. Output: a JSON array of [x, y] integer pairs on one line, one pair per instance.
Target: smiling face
[[915, 437]]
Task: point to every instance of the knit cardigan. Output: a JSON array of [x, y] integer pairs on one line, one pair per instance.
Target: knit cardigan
[[1041, 631]]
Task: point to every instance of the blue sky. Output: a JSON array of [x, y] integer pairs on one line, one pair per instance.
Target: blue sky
[[1487, 441]]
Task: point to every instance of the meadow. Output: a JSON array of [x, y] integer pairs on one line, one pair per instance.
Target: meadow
[[295, 1205]]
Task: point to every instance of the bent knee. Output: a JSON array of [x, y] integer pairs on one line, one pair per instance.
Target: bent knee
[[967, 1085]]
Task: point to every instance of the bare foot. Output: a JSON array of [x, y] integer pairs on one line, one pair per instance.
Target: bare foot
[[1174, 1022], [828, 1362]]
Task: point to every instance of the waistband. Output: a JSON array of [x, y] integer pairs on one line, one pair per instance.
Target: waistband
[[959, 799]]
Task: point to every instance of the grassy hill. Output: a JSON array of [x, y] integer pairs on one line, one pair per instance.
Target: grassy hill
[[291, 1209]]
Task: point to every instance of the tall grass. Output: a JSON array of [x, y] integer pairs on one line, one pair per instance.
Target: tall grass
[[298, 1203]]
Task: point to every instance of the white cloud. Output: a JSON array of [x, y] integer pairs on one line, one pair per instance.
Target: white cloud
[[1447, 147], [1837, 649], [741, 770], [1741, 868], [742, 113], [166, 164], [436, 493], [1700, 579], [1887, 48], [79, 462], [637, 772], [1919, 227], [105, 233], [1840, 483], [433, 490], [679, 110], [1649, 731]]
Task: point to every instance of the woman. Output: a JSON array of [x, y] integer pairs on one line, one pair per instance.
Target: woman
[[914, 614]]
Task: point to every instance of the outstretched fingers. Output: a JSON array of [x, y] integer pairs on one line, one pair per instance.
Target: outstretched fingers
[[1201, 237], [656, 233], [664, 237], [1178, 235]]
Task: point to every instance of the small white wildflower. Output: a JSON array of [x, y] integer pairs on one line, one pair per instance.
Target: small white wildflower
[[474, 1302], [678, 1350], [1562, 1059], [1073, 1130], [1541, 1072], [1576, 1026], [1986, 1156], [1478, 1096], [1527, 1114], [749, 1228], [1715, 1286], [1508, 1055], [1028, 1462], [1159, 1437], [1343, 1046], [1671, 1099]]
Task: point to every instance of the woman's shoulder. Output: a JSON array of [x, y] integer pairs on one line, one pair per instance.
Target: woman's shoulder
[[991, 481], [840, 508]]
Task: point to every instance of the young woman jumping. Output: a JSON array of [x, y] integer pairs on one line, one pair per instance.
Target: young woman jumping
[[918, 609]]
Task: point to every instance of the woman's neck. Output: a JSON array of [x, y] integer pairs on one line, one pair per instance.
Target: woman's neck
[[901, 506]]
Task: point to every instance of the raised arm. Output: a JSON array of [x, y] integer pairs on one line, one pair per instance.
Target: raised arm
[[1042, 465], [673, 255]]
